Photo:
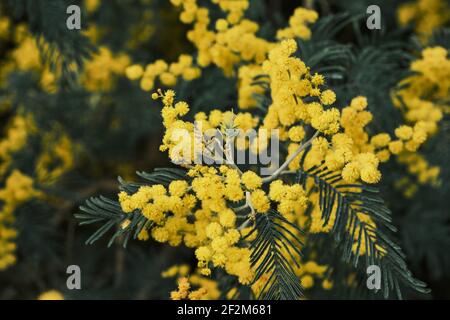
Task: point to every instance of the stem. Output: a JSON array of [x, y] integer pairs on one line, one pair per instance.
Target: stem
[[228, 155], [252, 214], [290, 159], [244, 224], [243, 207]]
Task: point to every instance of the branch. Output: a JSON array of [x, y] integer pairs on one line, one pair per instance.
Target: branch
[[290, 159]]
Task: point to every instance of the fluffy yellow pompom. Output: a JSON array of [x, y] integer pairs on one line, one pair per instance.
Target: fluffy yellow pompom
[[251, 180]]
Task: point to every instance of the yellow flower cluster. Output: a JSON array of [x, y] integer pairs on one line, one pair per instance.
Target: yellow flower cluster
[[100, 72], [179, 136], [291, 199], [173, 271], [233, 40], [5, 25], [350, 151], [205, 213], [167, 74], [18, 189], [290, 81], [7, 245], [407, 186], [427, 15], [16, 138], [311, 271], [184, 292], [208, 289], [213, 233], [154, 202], [417, 165], [247, 89], [57, 159], [216, 235], [425, 92], [298, 25], [423, 99], [25, 56]]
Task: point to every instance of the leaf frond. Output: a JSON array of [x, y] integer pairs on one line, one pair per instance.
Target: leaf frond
[[275, 253], [362, 227]]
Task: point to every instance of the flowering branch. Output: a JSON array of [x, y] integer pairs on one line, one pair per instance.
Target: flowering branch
[[290, 159]]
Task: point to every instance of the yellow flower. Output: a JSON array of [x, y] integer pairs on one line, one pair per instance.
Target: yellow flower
[[351, 172], [380, 140], [168, 79], [221, 24], [219, 244], [298, 24], [99, 72], [143, 235], [370, 174], [327, 284], [251, 180], [296, 133], [404, 132], [427, 16], [134, 72], [205, 271], [359, 103], [232, 236], [307, 281], [183, 289], [328, 97], [396, 146], [203, 254], [227, 218], [260, 201], [178, 188], [214, 230], [318, 79]]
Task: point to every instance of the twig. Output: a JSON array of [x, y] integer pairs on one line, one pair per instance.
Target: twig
[[228, 153], [243, 207], [252, 213], [290, 159]]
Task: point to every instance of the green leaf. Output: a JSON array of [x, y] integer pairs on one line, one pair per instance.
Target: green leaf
[[97, 210], [347, 201], [275, 250]]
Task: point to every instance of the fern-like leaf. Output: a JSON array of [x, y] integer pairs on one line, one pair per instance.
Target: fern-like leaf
[[349, 203], [275, 250], [162, 176], [110, 213]]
